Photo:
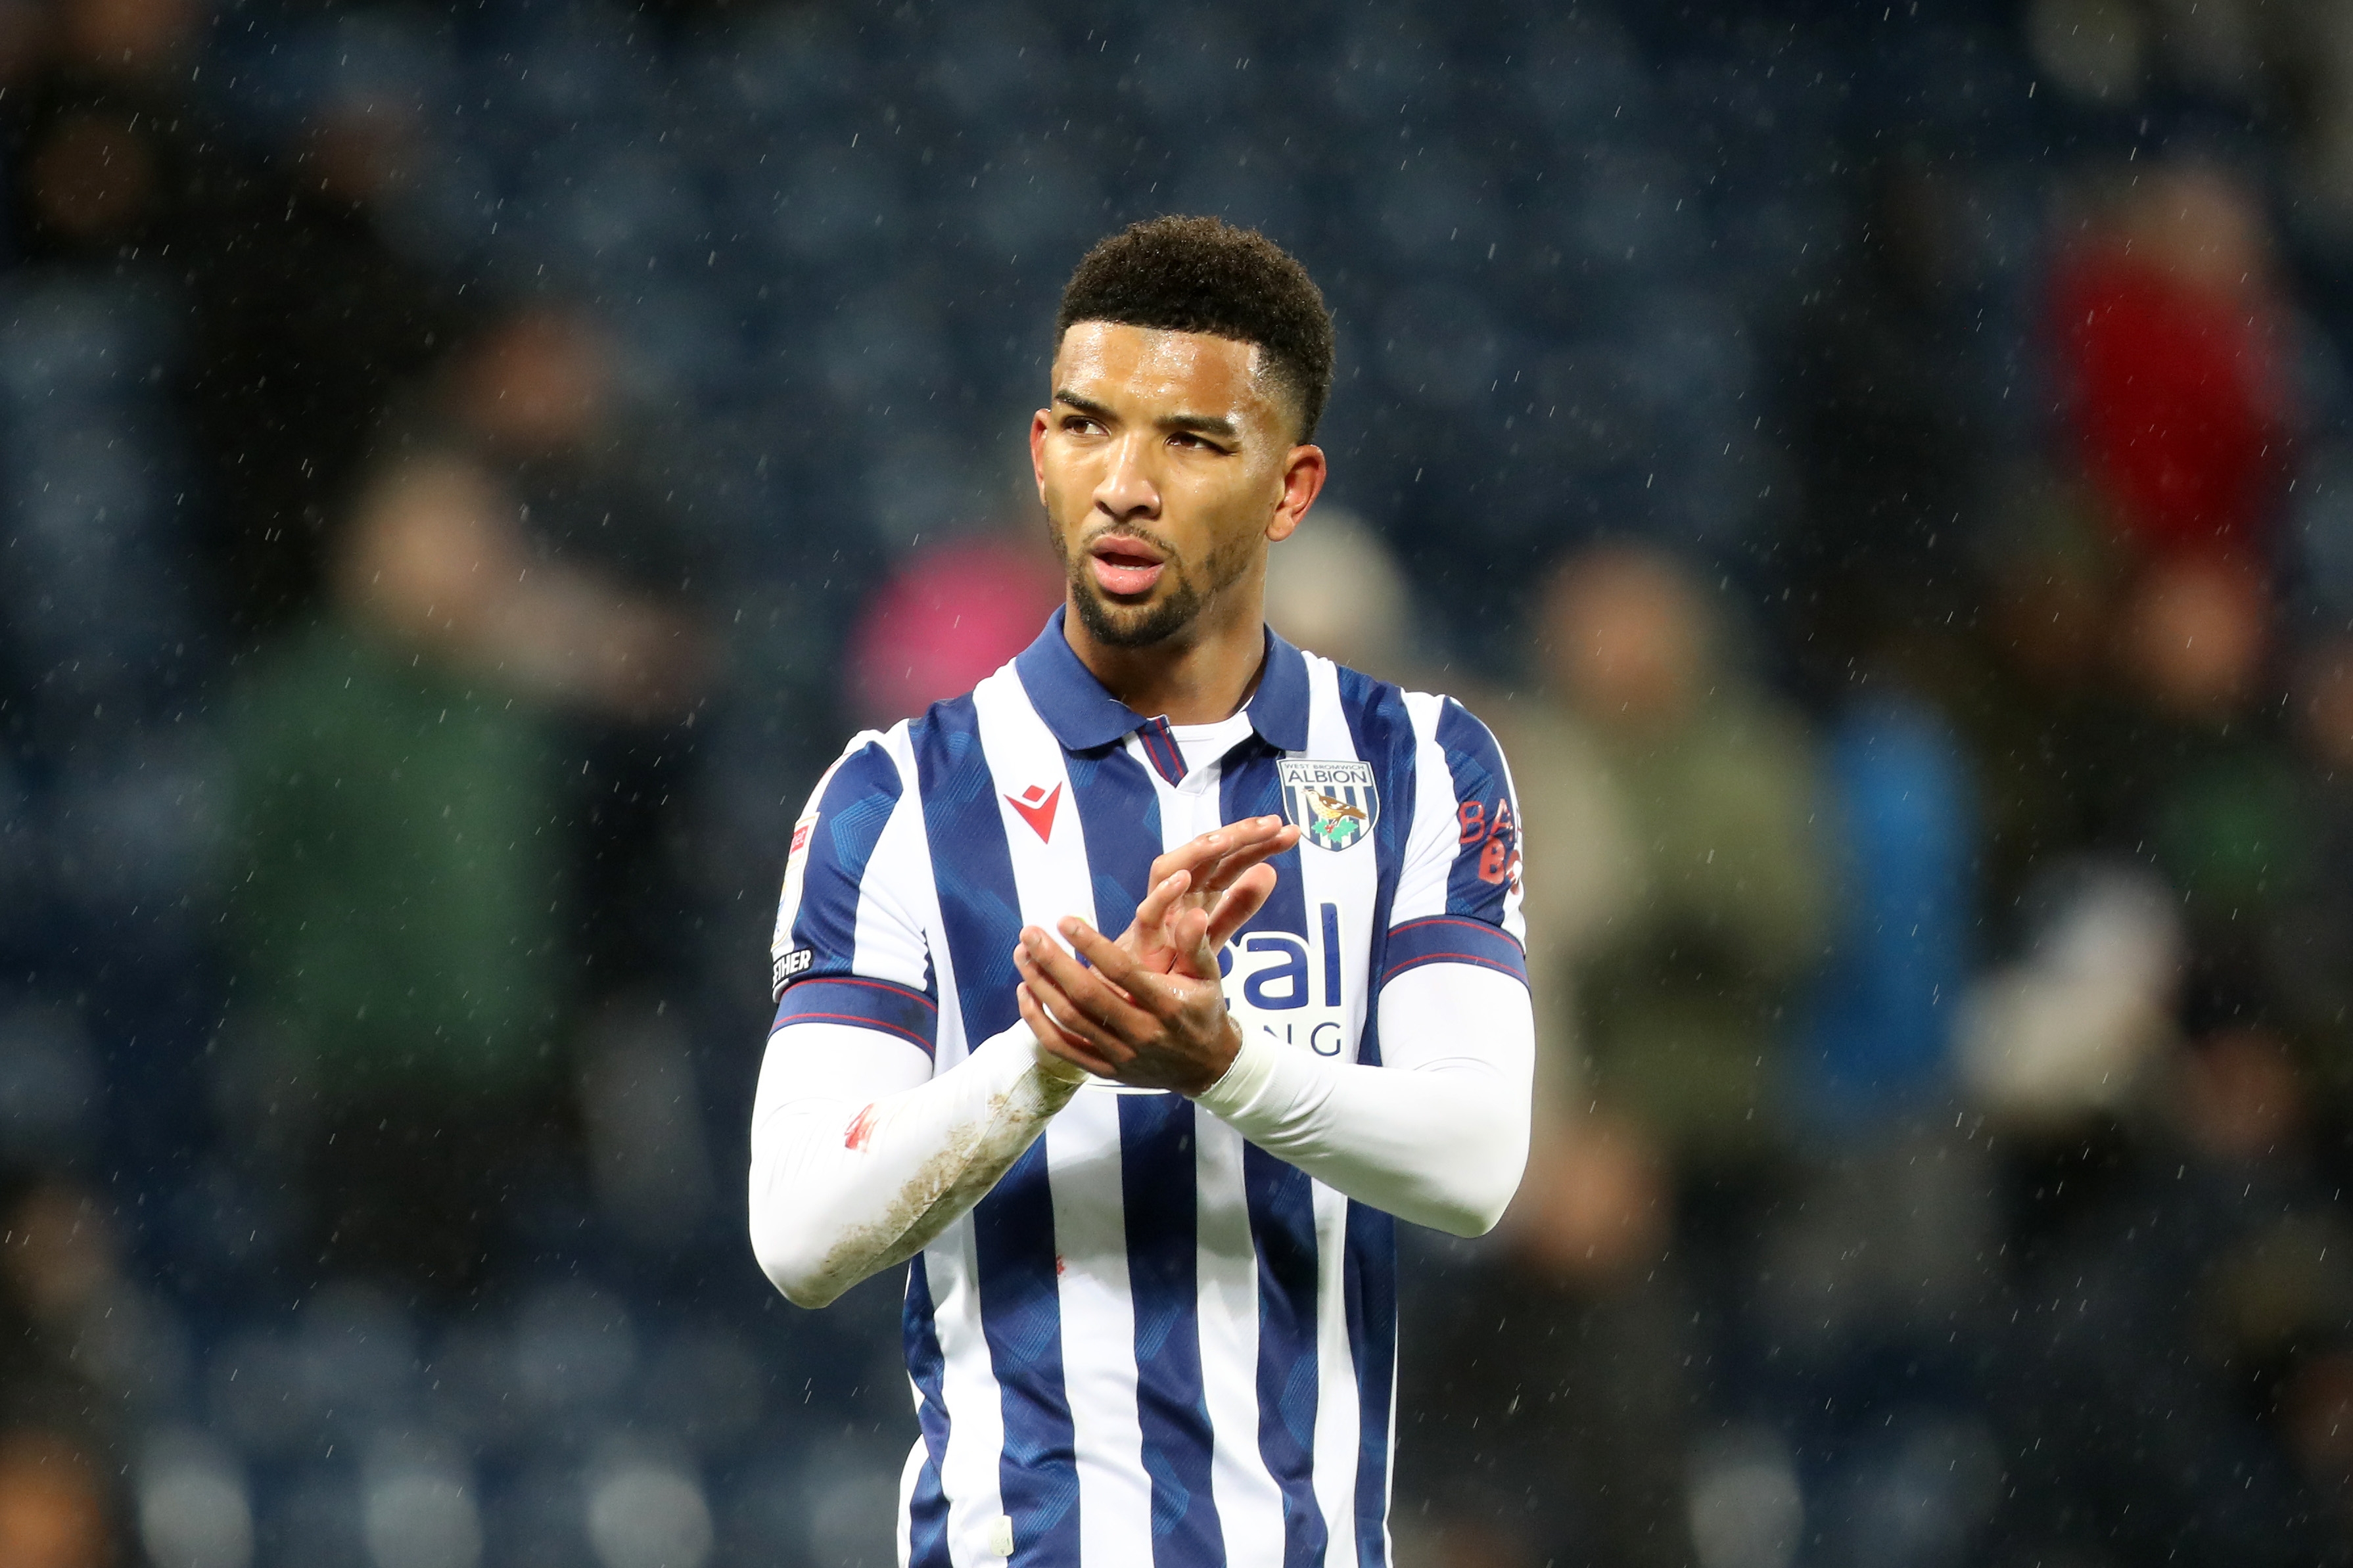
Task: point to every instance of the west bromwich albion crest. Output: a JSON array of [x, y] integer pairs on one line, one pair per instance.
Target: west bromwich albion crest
[[1334, 804]]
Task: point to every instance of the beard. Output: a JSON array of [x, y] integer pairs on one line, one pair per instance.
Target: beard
[[1123, 626], [1114, 625]]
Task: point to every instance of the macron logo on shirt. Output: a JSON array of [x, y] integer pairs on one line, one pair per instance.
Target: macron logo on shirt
[[1037, 805]]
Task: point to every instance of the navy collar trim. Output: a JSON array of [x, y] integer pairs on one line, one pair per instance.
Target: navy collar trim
[[1083, 716]]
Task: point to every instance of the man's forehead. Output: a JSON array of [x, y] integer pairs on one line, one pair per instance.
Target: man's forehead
[[1152, 360]]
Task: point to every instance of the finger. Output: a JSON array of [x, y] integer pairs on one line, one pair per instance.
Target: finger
[[1056, 1039], [1192, 855], [1243, 899], [1238, 838], [1157, 902], [1036, 945], [1084, 1031], [1189, 934], [1273, 837], [1200, 952], [1113, 961], [1096, 997], [1207, 855]]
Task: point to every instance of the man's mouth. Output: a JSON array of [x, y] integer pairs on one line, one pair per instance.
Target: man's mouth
[[1125, 568]]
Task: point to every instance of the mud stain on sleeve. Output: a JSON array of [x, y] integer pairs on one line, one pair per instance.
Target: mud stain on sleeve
[[948, 1183]]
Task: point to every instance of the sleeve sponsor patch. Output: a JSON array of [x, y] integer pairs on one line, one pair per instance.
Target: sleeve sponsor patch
[[787, 967], [1497, 837]]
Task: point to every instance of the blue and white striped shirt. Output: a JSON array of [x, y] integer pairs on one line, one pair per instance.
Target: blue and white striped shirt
[[1151, 1342]]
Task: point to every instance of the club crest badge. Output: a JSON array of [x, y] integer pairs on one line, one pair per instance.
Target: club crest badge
[[1334, 804]]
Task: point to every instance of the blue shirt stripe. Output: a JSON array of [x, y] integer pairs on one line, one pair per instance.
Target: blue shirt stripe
[[1489, 839], [1119, 815], [858, 802], [927, 1524], [1161, 1201], [1013, 1227], [1371, 1286], [1283, 1228]]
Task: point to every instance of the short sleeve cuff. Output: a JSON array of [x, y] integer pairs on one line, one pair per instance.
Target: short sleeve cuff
[[1452, 939], [893, 1009]]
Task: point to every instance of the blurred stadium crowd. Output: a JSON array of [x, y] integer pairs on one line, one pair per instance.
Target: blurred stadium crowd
[[1885, 470]]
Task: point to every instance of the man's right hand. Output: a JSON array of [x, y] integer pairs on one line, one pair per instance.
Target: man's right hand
[[1202, 892]]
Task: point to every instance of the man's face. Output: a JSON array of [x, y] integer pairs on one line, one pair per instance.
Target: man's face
[[1166, 463]]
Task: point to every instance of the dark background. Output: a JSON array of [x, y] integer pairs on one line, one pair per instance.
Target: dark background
[[465, 471]]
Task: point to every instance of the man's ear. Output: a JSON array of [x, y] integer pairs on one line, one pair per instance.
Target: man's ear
[[1304, 473]]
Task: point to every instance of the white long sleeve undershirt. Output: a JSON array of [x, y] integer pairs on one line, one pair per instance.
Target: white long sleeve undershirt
[[861, 1156]]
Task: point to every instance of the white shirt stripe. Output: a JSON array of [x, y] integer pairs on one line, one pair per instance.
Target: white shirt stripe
[[1082, 1155]]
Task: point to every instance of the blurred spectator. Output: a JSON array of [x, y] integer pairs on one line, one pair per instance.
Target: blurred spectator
[[2125, 707], [957, 607], [1675, 804], [56, 1263], [1898, 813], [2028, 680], [1685, 987], [58, 1421], [2166, 328], [2191, 832], [294, 320], [2061, 1031], [519, 465], [2206, 786], [51, 1509], [1334, 587], [454, 797]]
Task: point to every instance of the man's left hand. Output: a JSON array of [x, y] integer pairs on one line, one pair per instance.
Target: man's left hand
[[1122, 1020]]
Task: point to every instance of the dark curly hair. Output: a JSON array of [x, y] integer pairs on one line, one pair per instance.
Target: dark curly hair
[[1204, 275]]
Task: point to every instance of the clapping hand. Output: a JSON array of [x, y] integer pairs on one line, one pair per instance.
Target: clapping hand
[[1222, 877], [1148, 1010]]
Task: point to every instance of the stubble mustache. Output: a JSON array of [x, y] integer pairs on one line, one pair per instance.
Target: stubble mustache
[[1133, 626]]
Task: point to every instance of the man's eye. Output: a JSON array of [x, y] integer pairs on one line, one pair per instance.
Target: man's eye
[[1078, 425]]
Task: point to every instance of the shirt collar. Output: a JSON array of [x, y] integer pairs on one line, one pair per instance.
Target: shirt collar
[[1083, 715]]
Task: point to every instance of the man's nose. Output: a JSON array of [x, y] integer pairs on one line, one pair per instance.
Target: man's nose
[[1129, 487]]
